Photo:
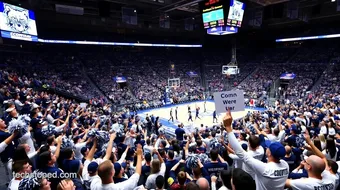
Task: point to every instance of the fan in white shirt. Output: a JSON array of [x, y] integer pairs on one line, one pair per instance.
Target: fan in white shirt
[[106, 172], [20, 168], [268, 176], [89, 172], [79, 144], [331, 151], [156, 171], [318, 177]]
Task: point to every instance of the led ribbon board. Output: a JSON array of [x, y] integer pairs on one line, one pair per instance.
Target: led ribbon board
[[308, 38], [117, 43]]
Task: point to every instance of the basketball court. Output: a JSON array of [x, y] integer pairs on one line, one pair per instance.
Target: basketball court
[[206, 117]]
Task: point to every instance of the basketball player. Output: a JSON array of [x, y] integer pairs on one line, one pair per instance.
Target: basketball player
[[190, 116], [176, 112], [189, 108], [205, 108], [197, 112], [171, 117], [214, 117]]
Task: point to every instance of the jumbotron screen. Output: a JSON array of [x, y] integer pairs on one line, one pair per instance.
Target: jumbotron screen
[[213, 13], [17, 23], [236, 12]]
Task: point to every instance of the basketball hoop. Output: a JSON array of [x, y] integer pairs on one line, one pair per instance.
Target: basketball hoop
[[227, 76]]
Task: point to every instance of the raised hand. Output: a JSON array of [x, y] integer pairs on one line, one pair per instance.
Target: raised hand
[[139, 150], [227, 120]]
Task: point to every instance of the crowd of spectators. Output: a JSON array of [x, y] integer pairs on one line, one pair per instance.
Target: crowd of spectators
[[330, 77], [274, 149], [53, 71], [294, 145]]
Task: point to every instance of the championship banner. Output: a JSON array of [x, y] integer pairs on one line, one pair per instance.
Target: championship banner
[[164, 21], [287, 76], [293, 9], [172, 68], [189, 24], [256, 17], [129, 16]]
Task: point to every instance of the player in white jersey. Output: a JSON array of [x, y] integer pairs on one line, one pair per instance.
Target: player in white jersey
[[268, 176], [319, 175]]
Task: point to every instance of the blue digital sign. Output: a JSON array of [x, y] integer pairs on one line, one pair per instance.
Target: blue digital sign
[[222, 30]]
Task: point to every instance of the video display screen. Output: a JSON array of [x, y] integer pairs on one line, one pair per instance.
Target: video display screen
[[17, 23], [213, 18], [236, 12]]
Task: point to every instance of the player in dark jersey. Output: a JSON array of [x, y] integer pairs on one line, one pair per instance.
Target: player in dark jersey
[[176, 113], [214, 117], [190, 116], [171, 117], [197, 112]]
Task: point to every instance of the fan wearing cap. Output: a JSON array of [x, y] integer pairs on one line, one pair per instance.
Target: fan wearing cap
[[293, 135], [49, 117], [12, 113], [38, 135], [319, 175], [268, 176], [119, 172]]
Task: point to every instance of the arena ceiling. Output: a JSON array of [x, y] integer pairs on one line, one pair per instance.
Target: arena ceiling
[[177, 11]]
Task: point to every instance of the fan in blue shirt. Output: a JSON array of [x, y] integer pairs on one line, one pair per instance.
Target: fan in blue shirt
[[214, 167], [146, 169], [169, 164], [47, 160], [179, 132], [290, 158]]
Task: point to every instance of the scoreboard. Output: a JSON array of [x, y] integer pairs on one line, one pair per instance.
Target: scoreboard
[[218, 13], [213, 13]]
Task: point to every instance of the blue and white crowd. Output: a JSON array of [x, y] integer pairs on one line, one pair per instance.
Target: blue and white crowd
[[294, 144]]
